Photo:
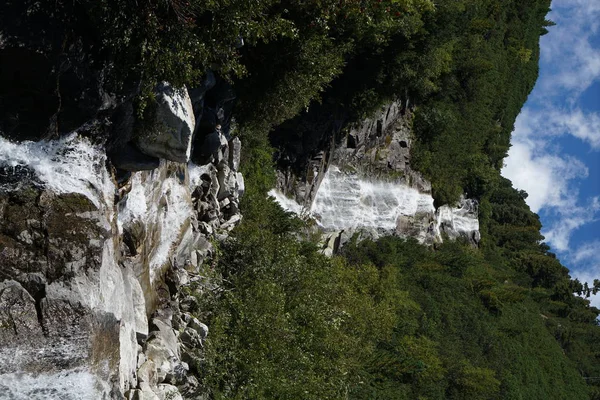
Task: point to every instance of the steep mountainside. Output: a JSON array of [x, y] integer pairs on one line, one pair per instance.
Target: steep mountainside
[[132, 221]]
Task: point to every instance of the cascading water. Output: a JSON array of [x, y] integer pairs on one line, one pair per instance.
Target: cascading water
[[286, 203], [459, 221], [68, 165], [346, 201]]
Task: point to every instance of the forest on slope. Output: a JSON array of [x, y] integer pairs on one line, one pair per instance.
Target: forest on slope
[[389, 319], [393, 319]]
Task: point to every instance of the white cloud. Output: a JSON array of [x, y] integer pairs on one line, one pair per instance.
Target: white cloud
[[587, 253], [555, 121], [538, 165], [573, 62], [559, 233], [584, 126], [545, 177]]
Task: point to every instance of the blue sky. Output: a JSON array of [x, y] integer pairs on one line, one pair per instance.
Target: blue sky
[[555, 153]]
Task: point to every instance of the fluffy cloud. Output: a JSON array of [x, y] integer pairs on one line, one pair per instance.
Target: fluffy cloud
[[554, 121], [568, 221], [545, 177], [551, 180], [536, 163], [568, 50], [588, 253]]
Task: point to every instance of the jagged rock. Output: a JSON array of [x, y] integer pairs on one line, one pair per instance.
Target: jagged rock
[[178, 374], [224, 203], [211, 188], [222, 156], [241, 187], [177, 277], [189, 304], [199, 327], [141, 357], [231, 222], [332, 245], [148, 373], [221, 237], [169, 135], [146, 392], [183, 277], [235, 151], [162, 348], [227, 183], [168, 392], [132, 394], [186, 317], [178, 323], [190, 357], [190, 338], [205, 228], [18, 316], [203, 249], [190, 388]]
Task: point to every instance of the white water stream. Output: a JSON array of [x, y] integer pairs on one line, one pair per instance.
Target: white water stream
[[346, 201], [68, 165]]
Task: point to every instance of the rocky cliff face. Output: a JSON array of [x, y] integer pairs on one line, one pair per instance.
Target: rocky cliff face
[[361, 181], [102, 238], [94, 258]]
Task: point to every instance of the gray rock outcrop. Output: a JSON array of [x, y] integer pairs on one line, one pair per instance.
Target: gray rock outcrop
[[169, 136], [92, 269], [362, 183]]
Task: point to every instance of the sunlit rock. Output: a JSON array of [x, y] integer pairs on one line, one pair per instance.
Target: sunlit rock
[[169, 136]]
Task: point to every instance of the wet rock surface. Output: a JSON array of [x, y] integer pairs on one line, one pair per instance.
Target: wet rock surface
[[53, 318], [360, 182], [90, 228], [94, 265]]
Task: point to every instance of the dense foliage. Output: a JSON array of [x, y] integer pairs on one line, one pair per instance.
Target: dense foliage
[[393, 319], [390, 319], [464, 129]]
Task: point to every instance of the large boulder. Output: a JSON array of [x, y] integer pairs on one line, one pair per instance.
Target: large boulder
[[169, 134], [163, 349]]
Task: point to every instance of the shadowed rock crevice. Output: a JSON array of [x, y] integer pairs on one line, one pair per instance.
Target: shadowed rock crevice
[[39, 296]]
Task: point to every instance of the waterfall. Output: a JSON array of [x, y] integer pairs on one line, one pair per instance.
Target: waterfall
[[348, 201], [71, 164]]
